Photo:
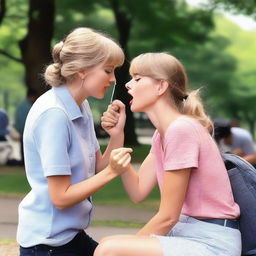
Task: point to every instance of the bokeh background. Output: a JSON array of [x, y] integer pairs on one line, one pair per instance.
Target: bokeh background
[[217, 50]]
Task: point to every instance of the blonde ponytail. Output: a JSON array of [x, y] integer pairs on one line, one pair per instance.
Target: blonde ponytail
[[193, 107], [164, 66]]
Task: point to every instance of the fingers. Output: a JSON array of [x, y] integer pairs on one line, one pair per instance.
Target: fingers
[[118, 104], [124, 160], [114, 116], [121, 151], [121, 107], [120, 158], [110, 117]]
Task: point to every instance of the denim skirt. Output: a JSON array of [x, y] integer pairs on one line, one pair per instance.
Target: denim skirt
[[192, 237]]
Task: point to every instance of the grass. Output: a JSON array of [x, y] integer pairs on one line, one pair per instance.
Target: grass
[[139, 152], [5, 241], [13, 182], [117, 223]]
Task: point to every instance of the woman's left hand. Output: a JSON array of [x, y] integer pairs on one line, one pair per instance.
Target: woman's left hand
[[113, 120]]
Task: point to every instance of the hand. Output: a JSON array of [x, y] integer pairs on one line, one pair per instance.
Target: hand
[[120, 159], [238, 152], [113, 120]]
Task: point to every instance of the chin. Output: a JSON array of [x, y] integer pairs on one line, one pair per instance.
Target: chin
[[99, 97], [134, 109]]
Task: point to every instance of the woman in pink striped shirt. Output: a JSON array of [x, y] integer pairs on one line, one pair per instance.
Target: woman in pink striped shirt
[[197, 213]]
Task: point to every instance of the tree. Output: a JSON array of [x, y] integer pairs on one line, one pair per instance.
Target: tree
[[182, 26], [242, 93], [2, 10], [36, 45], [175, 25], [133, 23]]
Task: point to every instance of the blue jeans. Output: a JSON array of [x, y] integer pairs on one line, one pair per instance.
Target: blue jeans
[[80, 245]]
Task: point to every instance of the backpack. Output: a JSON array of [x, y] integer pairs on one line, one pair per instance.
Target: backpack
[[242, 177]]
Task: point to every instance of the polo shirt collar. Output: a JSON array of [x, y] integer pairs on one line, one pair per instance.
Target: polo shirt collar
[[68, 102]]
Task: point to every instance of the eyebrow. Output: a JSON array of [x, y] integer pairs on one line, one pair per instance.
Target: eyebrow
[[109, 66]]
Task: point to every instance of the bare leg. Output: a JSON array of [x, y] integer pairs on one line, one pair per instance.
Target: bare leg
[[129, 245]]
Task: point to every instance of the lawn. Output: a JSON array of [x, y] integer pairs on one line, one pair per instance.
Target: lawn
[[13, 182], [139, 152]]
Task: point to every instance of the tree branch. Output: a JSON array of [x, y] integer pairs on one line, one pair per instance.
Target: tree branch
[[8, 55]]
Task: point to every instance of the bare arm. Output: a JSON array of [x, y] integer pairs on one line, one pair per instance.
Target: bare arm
[[112, 121], [172, 198], [139, 184], [102, 160], [64, 194], [250, 158]]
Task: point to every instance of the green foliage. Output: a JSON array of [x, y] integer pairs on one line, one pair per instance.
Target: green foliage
[[211, 60], [241, 101], [245, 7], [13, 29]]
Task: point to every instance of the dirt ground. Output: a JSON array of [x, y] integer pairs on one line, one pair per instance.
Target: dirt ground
[[9, 249]]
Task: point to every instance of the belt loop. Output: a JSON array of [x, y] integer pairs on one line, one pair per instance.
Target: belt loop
[[225, 222]]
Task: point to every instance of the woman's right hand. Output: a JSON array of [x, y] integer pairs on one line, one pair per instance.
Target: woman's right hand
[[120, 159], [113, 120]]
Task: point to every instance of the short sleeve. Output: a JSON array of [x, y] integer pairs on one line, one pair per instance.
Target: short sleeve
[[181, 146], [247, 146], [52, 138], [153, 142]]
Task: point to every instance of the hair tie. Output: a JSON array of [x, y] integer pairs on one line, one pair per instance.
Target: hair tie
[[183, 98]]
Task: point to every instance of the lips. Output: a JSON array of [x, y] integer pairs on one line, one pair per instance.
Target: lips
[[131, 97], [106, 88]]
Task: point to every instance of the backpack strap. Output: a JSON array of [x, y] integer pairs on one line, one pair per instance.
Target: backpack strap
[[232, 161]]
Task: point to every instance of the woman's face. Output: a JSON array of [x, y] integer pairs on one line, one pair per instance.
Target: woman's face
[[98, 79], [143, 90]]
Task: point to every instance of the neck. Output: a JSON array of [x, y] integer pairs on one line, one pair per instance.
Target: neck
[[162, 114], [75, 88]]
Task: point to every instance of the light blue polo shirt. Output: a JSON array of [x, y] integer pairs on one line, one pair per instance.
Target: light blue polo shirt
[[59, 139]]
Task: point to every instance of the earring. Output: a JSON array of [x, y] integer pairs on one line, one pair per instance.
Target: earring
[[82, 83]]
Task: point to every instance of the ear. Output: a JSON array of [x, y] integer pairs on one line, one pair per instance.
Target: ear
[[82, 74], [162, 87]]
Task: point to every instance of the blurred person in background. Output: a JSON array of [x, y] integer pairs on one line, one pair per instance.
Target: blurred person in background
[[7, 133], [235, 140], [21, 115]]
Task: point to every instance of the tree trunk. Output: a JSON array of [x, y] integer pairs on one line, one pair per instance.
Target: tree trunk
[[2, 10], [36, 46], [124, 26]]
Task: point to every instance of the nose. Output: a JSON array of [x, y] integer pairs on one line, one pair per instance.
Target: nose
[[128, 85], [113, 79]]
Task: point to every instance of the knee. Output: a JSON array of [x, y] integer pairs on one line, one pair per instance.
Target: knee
[[106, 247]]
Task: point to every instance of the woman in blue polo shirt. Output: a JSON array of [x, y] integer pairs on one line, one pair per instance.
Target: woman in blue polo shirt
[[64, 164]]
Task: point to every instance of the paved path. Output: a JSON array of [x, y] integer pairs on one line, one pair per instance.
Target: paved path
[[9, 216]]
